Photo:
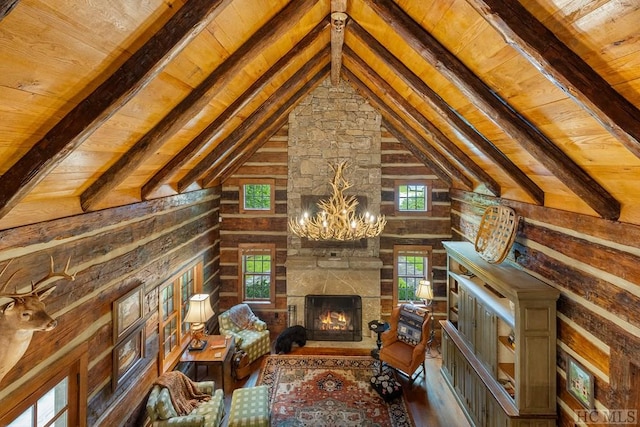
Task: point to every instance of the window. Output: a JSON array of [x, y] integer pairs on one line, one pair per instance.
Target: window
[[58, 399], [257, 278], [51, 409], [413, 197], [173, 301], [257, 196], [412, 264]]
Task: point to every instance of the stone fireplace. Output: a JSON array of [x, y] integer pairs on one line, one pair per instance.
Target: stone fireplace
[[332, 124], [335, 276]]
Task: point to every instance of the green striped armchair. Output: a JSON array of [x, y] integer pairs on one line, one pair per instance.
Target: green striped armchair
[[162, 413], [250, 333]]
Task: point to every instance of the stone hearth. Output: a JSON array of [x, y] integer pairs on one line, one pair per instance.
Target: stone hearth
[[309, 275]]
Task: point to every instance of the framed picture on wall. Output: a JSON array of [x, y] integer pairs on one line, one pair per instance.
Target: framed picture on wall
[[580, 383], [127, 313], [126, 355]]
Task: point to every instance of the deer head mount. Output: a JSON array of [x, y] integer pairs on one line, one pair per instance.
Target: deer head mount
[[25, 314]]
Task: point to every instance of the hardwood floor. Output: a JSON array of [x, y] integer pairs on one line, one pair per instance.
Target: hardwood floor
[[431, 402]]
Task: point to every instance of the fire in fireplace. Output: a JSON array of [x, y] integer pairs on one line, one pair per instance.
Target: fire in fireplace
[[333, 317]]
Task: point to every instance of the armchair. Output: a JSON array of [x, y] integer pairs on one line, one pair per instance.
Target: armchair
[[250, 333], [162, 412], [404, 344]]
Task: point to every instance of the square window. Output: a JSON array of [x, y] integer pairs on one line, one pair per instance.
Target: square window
[[412, 198], [257, 196]]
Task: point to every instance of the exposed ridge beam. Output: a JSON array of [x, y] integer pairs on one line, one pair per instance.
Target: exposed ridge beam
[[460, 125], [6, 6], [132, 76], [338, 21], [226, 147], [218, 127], [266, 128], [454, 154], [411, 139], [498, 110], [195, 101], [564, 68]]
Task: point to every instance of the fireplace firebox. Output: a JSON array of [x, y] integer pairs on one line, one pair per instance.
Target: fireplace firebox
[[333, 317]]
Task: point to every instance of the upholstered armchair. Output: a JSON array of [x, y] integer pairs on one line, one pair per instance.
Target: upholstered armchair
[[404, 344], [250, 333], [162, 412]]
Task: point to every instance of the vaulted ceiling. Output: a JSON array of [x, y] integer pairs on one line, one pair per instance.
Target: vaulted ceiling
[[110, 103]]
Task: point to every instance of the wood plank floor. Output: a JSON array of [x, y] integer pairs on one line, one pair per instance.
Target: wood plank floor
[[431, 402]]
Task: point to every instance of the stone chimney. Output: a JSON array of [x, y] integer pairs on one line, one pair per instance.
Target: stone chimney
[[330, 125]]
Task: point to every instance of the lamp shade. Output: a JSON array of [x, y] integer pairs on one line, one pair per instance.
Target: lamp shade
[[425, 290], [199, 309]]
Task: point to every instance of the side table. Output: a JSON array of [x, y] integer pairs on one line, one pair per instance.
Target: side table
[[218, 352], [378, 326]]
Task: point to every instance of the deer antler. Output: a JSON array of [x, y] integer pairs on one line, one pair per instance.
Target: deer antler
[[10, 277], [51, 277]]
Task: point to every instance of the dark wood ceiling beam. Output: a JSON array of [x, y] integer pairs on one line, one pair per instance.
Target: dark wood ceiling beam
[[564, 68], [431, 158], [226, 147], [220, 125], [132, 76], [392, 98], [265, 129], [193, 103], [461, 126], [498, 110], [6, 6]]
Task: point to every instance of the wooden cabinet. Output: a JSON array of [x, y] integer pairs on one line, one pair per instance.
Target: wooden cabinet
[[499, 341]]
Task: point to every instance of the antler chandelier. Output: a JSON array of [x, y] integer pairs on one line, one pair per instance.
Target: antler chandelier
[[337, 219]]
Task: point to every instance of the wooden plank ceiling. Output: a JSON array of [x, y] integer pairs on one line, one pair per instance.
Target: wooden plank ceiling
[[110, 103]]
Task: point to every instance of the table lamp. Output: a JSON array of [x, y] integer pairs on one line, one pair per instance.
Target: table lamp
[[199, 312], [425, 292]]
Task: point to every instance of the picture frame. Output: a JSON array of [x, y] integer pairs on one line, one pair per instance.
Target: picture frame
[[128, 313], [580, 383], [127, 355]]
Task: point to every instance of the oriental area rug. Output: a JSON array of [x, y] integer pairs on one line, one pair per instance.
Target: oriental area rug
[[328, 391]]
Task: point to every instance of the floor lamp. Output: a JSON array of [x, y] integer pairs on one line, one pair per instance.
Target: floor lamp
[[425, 293]]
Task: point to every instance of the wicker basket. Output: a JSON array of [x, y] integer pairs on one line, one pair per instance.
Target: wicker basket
[[496, 233]]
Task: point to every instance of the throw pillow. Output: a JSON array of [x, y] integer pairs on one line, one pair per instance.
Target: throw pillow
[[410, 324]]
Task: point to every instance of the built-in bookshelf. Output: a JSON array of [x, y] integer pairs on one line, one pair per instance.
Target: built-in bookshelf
[[499, 341]]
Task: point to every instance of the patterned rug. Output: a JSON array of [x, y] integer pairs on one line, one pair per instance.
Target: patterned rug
[[328, 391]]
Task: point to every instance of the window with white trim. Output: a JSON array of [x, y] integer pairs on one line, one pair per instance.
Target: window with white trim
[[413, 197], [257, 196], [411, 264], [257, 272]]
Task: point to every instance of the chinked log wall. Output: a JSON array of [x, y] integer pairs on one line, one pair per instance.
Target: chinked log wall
[[595, 264], [270, 161], [112, 251], [398, 163]]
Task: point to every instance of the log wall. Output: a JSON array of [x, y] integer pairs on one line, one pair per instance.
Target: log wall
[[269, 161], [398, 163], [595, 264], [111, 252]]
